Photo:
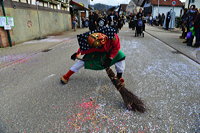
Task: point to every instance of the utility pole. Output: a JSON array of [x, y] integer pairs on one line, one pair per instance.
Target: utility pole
[[37, 4], [4, 14], [189, 4], [158, 6]]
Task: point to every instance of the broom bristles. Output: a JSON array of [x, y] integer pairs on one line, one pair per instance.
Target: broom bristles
[[131, 101]]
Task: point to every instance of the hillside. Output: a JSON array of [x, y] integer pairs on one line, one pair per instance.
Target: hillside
[[101, 7]]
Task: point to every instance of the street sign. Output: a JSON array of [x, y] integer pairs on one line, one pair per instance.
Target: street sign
[[173, 2], [6, 20], [2, 21], [10, 21], [7, 27]]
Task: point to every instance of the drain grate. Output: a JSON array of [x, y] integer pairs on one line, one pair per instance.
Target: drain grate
[[46, 50]]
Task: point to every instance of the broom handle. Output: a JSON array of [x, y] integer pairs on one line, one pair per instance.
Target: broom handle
[[114, 79], [131, 101]]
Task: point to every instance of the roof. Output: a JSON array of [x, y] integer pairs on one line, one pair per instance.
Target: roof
[[166, 2], [78, 6], [139, 2]]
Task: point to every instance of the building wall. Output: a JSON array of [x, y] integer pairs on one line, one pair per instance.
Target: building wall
[[27, 23], [131, 8], [32, 21], [85, 3], [165, 9], [192, 2]]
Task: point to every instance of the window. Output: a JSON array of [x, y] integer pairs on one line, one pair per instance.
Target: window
[[53, 4], [23, 1], [45, 4]]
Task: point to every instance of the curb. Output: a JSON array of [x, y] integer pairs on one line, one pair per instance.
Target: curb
[[26, 58], [197, 60]]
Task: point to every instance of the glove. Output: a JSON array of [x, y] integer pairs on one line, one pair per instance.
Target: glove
[[73, 57], [107, 62]]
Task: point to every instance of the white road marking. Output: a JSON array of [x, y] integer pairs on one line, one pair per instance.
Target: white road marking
[[46, 78]]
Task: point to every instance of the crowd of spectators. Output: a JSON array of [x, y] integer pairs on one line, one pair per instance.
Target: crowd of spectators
[[191, 26], [189, 22], [98, 19]]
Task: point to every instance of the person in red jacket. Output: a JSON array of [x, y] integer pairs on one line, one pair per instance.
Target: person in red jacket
[[101, 49]]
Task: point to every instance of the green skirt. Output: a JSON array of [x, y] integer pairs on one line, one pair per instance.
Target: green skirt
[[95, 60]]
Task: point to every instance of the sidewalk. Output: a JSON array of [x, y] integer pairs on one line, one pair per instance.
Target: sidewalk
[[22, 51], [171, 38]]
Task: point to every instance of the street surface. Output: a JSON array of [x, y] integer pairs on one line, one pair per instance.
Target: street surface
[[32, 100]]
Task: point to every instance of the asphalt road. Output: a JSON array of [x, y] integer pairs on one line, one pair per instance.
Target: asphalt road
[[32, 100]]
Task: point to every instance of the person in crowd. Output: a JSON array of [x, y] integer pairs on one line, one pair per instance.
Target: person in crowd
[[140, 15], [151, 20], [74, 22], [131, 21], [168, 18], [124, 18], [117, 21], [120, 22], [159, 20], [172, 21], [100, 21], [112, 20], [83, 22], [190, 17], [162, 19], [105, 18], [128, 18], [183, 24], [92, 21], [96, 16], [197, 30]]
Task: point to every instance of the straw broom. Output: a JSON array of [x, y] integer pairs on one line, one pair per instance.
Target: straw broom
[[131, 101]]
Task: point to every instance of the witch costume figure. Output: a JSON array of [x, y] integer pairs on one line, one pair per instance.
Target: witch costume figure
[[101, 49]]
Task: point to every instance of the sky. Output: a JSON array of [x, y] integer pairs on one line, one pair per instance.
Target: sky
[[114, 2]]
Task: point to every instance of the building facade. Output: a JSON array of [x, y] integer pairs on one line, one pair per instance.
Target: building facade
[[155, 7], [164, 9], [80, 8], [33, 19], [131, 8]]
